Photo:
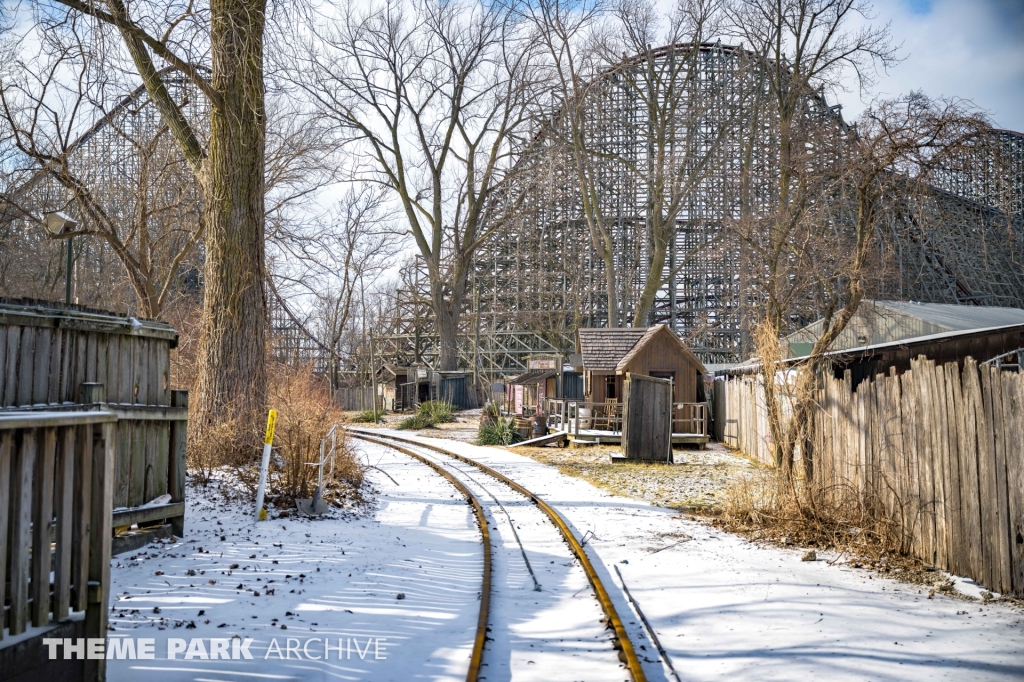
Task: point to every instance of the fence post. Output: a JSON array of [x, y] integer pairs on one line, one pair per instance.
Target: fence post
[[177, 463], [91, 393], [100, 541]]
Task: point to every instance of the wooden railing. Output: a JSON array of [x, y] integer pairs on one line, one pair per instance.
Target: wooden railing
[[572, 416], [690, 418], [149, 462], [57, 480]]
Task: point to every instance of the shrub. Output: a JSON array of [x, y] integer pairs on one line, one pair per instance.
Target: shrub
[[491, 410], [437, 411], [431, 413], [305, 414], [500, 431], [415, 422], [369, 417]]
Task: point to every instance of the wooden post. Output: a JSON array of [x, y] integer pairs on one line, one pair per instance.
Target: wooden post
[[21, 517], [100, 542], [176, 465], [42, 520], [64, 500], [6, 444], [81, 527], [91, 394]]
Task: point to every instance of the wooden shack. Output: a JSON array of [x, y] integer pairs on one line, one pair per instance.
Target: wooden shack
[[608, 354], [525, 393]]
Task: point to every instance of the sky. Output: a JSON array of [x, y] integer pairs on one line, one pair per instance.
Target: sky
[[972, 49]]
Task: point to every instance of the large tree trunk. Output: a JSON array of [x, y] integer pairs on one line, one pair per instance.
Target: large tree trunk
[[655, 280], [446, 314], [611, 286], [232, 378]]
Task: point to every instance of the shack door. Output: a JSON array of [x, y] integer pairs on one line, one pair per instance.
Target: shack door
[[647, 418]]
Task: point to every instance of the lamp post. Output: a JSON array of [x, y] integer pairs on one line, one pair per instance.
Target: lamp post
[[58, 225]]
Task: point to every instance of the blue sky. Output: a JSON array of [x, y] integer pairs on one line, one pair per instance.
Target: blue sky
[[965, 48]]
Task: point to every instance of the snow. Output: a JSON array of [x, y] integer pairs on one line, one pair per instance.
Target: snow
[[721, 606], [422, 541], [724, 607]]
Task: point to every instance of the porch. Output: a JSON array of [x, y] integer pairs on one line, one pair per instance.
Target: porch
[[591, 422]]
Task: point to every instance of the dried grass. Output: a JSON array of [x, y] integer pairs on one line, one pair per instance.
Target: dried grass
[[305, 414], [761, 504]]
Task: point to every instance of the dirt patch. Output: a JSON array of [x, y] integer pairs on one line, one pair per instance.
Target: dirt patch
[[694, 482]]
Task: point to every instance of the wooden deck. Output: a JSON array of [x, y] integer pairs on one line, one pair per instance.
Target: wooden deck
[[578, 420], [596, 436]]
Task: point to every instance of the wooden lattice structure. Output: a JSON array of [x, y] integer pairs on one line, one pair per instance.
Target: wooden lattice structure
[[539, 279], [131, 166]]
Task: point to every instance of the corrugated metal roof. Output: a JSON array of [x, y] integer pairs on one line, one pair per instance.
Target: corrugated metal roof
[[956, 317], [885, 321], [753, 365]]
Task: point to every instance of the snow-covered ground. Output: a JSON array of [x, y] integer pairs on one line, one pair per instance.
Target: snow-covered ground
[[723, 607]]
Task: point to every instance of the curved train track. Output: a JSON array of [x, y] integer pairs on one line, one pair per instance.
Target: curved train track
[[621, 640]]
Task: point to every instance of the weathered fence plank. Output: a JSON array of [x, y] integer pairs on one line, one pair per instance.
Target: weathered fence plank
[[21, 539], [1000, 501], [1015, 482], [6, 446], [953, 484], [936, 449], [42, 515], [64, 496]]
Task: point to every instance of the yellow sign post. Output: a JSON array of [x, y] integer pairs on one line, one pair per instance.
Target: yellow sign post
[[268, 441]]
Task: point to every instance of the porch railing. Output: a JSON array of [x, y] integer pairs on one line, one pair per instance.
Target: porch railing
[[573, 415], [57, 478], [690, 418]]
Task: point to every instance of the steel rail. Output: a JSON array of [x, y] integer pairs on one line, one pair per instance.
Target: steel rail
[[485, 590], [625, 648]]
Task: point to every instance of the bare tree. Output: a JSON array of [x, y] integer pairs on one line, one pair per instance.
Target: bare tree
[[111, 167], [430, 99], [228, 36], [804, 47], [322, 274], [570, 33], [888, 167], [687, 117]]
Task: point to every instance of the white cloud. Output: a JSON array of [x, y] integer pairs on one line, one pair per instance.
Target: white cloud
[[964, 48]]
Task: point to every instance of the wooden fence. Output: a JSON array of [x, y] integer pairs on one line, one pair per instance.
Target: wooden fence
[[48, 353], [352, 399], [938, 449], [56, 487], [741, 419]]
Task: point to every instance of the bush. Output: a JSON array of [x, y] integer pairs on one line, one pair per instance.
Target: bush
[[415, 422], [369, 417], [500, 431], [491, 410], [431, 413], [305, 414], [437, 411]]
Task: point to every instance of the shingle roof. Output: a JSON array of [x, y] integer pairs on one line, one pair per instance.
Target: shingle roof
[[651, 333], [603, 348]]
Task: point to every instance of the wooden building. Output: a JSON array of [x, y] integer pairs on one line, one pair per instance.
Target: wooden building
[[608, 354], [525, 393]]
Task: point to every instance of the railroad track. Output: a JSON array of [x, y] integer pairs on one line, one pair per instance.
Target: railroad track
[[620, 641]]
